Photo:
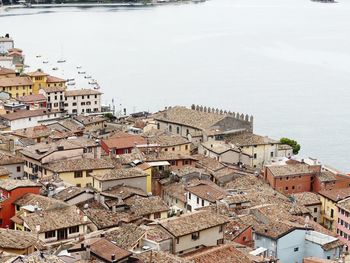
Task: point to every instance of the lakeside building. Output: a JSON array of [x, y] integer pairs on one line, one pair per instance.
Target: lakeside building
[[201, 124], [28, 118], [343, 222], [83, 101], [17, 86]]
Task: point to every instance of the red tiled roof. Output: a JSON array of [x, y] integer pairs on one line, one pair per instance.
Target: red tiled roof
[[124, 142], [32, 98]]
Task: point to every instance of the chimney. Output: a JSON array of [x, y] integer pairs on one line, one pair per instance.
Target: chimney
[[113, 258]]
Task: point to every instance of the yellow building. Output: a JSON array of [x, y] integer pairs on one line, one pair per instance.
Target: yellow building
[[17, 86], [39, 79], [77, 171], [42, 80], [329, 210], [133, 177]]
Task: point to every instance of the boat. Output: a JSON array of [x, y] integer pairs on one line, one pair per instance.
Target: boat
[[93, 82], [87, 77], [61, 61], [55, 68], [26, 66], [38, 56], [97, 87], [45, 61], [81, 72], [78, 67], [71, 83], [68, 80]]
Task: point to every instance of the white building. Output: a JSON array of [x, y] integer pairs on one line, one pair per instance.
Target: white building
[[28, 118], [55, 97], [83, 101], [6, 43]]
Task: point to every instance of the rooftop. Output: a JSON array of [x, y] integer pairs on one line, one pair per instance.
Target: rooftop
[[37, 73], [32, 98], [326, 176], [207, 192], [126, 236], [22, 114], [103, 249], [125, 141], [10, 184], [119, 174], [164, 139], [69, 193], [104, 219], [208, 163], [344, 204], [7, 159], [54, 219], [249, 139], [220, 254], [16, 239], [336, 194], [189, 117], [53, 89], [192, 222], [82, 92], [290, 169], [6, 71], [41, 150], [82, 164], [143, 206], [307, 198], [40, 202], [15, 81], [52, 79]]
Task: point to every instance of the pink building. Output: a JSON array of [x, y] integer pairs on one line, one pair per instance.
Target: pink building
[[343, 224]]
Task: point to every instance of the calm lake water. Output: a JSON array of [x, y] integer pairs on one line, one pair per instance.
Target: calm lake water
[[286, 62]]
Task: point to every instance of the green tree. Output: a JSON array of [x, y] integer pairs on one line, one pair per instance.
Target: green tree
[[109, 116], [294, 144]]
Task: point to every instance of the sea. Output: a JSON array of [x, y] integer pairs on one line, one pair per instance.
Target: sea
[[286, 62]]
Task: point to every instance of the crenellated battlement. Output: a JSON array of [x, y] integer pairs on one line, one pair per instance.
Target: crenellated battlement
[[236, 115]]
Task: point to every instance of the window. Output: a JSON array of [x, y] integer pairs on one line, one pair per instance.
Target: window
[[195, 236], [18, 168], [271, 154], [197, 200], [315, 210], [189, 196], [74, 229], [293, 187], [244, 238], [82, 97], [158, 126], [50, 234], [221, 228], [186, 147], [78, 174], [286, 188], [82, 104], [78, 185], [296, 249], [173, 149], [177, 240], [255, 156], [74, 104], [202, 202], [88, 173], [95, 96], [177, 130], [156, 215], [170, 128]]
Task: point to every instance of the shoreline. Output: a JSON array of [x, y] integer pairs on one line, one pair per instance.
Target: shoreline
[[91, 5]]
